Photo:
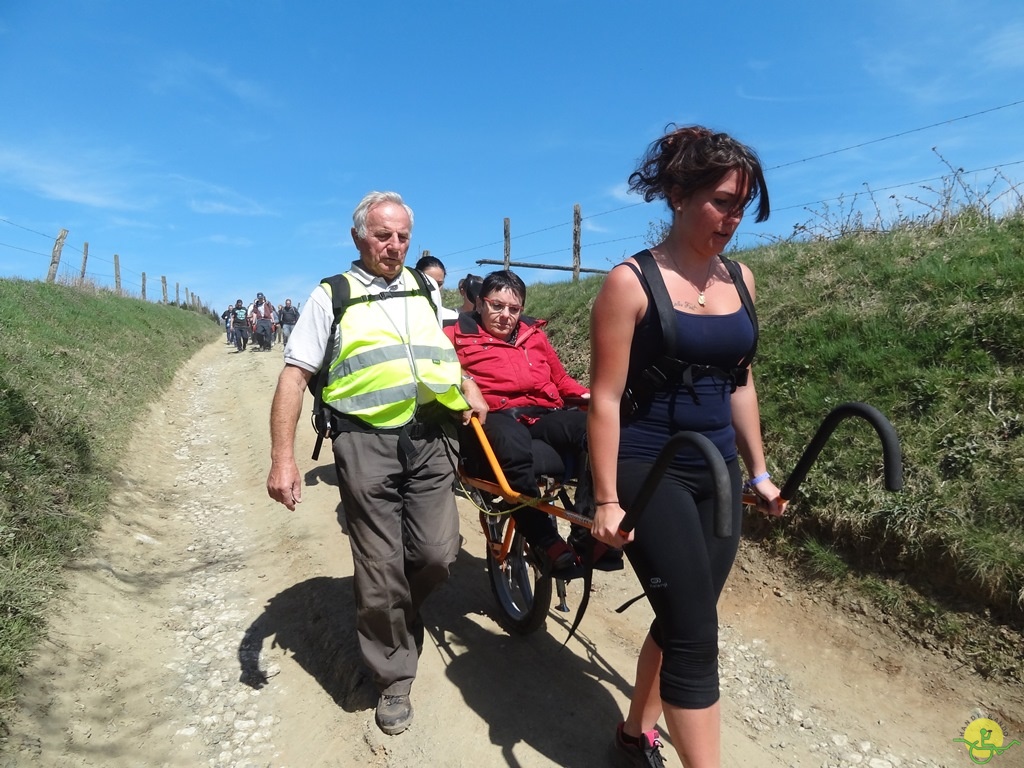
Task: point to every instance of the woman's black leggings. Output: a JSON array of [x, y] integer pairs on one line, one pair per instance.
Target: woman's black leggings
[[682, 567]]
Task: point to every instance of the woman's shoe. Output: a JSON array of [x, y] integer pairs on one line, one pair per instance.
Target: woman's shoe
[[555, 555], [643, 752]]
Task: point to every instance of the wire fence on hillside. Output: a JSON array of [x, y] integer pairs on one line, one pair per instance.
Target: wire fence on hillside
[[871, 208]]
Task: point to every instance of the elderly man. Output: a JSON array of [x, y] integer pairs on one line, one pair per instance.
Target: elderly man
[[393, 389]]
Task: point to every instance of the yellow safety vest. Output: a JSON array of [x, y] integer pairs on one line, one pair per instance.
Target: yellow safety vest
[[375, 370]]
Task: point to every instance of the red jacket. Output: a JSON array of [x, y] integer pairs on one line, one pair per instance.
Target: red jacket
[[513, 375]]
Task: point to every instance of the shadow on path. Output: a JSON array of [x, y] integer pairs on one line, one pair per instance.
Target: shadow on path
[[315, 622], [529, 689]]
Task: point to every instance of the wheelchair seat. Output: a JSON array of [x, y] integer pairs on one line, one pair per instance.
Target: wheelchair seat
[[546, 461]]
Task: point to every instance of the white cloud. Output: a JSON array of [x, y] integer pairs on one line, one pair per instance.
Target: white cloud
[[93, 178], [207, 198], [236, 242], [742, 93], [1005, 48], [189, 75], [621, 193]]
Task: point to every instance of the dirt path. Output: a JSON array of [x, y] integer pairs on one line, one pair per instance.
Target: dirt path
[[211, 627]]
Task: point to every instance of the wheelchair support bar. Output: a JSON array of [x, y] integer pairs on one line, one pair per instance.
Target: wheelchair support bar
[[719, 473], [892, 457]]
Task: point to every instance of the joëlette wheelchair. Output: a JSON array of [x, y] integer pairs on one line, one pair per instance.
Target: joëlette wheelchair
[[521, 587]]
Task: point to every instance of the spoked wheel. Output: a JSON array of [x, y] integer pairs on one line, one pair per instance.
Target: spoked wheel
[[522, 592]]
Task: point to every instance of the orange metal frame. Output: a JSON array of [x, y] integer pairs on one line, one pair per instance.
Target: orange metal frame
[[500, 487]]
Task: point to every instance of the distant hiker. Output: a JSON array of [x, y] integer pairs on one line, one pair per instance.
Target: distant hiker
[[263, 317], [393, 388], [226, 316], [642, 392], [240, 326], [433, 267], [288, 316]]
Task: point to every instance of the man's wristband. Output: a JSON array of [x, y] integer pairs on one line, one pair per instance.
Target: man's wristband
[[755, 480], [603, 503]]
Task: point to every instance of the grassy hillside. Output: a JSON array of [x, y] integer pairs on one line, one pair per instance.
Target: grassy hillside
[[76, 368], [927, 325]]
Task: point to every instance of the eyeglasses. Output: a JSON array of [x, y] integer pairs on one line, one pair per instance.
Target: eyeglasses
[[497, 307]]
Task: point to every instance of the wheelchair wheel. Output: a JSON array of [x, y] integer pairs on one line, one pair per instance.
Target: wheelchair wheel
[[522, 592]]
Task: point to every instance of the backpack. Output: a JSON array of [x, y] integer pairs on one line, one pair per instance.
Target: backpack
[[323, 419], [668, 369]]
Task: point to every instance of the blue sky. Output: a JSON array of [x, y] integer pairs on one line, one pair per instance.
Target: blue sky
[[224, 144]]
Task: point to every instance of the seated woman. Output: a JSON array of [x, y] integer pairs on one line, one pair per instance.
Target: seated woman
[[525, 386]]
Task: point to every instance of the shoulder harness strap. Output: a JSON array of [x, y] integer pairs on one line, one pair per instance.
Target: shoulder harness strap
[[668, 367]]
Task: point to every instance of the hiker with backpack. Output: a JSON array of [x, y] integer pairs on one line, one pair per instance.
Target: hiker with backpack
[[673, 332], [392, 391], [262, 317]]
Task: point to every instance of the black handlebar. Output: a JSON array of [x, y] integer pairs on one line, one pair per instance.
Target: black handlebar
[[719, 474], [892, 460], [892, 457]]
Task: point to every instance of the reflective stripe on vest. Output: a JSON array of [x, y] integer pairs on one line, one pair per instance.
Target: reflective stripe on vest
[[375, 373]]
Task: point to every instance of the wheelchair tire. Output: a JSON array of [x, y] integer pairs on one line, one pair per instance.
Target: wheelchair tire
[[523, 594]]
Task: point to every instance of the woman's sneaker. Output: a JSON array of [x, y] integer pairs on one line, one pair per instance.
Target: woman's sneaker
[[643, 752], [554, 557]]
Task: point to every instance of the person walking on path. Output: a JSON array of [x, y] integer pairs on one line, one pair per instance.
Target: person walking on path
[[393, 391], [226, 317], [708, 180], [263, 322], [288, 316], [240, 326]]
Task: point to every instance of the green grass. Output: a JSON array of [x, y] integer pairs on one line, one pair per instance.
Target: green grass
[[76, 369]]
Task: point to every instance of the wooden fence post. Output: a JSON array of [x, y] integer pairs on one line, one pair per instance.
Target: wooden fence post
[[577, 220], [58, 246], [117, 274], [143, 286], [85, 259], [163, 282], [177, 294], [508, 242]]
